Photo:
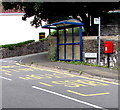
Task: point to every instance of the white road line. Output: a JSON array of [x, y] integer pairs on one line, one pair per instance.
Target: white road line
[[67, 97], [5, 78]]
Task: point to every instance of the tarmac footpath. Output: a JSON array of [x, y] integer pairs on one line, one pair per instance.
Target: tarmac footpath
[[41, 59]]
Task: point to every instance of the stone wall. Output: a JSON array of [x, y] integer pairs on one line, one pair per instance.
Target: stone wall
[[110, 30], [34, 47], [90, 45], [52, 48]]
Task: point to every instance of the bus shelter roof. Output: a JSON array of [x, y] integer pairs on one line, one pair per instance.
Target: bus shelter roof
[[64, 24]]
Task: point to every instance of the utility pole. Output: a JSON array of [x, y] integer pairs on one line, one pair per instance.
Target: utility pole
[[99, 41], [97, 21]]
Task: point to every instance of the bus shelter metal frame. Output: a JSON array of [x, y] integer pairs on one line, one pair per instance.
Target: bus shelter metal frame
[[71, 23]]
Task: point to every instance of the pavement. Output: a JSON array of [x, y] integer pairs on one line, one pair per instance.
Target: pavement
[[41, 59]]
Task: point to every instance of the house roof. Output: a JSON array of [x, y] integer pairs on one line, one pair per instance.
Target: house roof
[[64, 24]]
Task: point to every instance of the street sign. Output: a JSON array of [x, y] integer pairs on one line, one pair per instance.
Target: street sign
[[90, 55], [96, 21]]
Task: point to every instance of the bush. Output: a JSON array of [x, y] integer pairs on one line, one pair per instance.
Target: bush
[[77, 62], [54, 33], [44, 39]]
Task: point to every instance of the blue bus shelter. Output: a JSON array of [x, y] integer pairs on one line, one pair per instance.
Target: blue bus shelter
[[69, 44]]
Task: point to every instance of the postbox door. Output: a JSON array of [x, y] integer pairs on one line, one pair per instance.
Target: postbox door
[[108, 47]]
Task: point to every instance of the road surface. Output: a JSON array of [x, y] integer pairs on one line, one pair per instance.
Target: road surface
[[31, 87]]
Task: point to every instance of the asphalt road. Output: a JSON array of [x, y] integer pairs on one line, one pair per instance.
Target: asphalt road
[[32, 87]]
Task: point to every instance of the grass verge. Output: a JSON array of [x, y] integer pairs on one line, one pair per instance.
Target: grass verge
[[82, 63]]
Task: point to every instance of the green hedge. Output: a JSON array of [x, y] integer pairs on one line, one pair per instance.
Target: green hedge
[[11, 46]]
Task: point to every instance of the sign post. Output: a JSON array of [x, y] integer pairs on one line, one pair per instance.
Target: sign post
[[108, 59], [97, 21]]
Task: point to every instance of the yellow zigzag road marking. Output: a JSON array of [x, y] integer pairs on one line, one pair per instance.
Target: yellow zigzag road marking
[[7, 74], [6, 71], [70, 74], [14, 70], [45, 84], [8, 66], [88, 94]]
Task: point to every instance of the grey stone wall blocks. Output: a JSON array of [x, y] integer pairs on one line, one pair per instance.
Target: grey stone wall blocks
[[35, 47]]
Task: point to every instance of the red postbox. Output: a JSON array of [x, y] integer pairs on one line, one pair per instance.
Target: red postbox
[[108, 47]]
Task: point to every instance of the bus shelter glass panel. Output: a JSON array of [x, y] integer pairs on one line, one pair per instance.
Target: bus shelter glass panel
[[69, 35], [61, 36], [68, 52], [69, 43], [76, 34], [76, 31], [61, 51], [77, 52]]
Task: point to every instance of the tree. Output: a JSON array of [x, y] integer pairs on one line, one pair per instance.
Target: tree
[[57, 11]]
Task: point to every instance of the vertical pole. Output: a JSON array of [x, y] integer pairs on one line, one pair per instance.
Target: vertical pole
[[99, 42], [57, 53], [90, 21], [72, 43], [80, 43], [108, 60], [65, 44], [49, 32]]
